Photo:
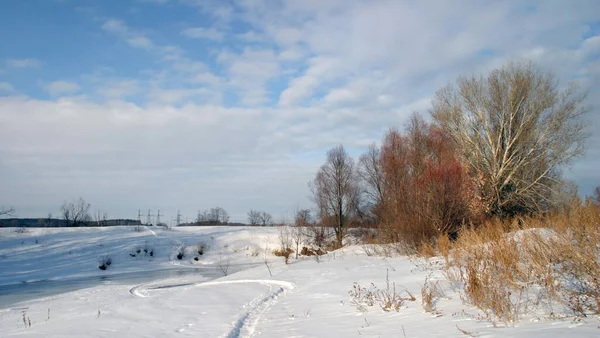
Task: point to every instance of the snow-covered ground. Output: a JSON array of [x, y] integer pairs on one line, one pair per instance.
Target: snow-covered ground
[[306, 298]]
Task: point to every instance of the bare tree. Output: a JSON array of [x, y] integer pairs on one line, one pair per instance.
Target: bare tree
[[100, 218], [266, 219], [369, 171], [515, 129], [216, 216], [335, 190], [76, 212], [203, 217], [298, 237], [254, 217], [6, 211], [303, 218], [224, 263]]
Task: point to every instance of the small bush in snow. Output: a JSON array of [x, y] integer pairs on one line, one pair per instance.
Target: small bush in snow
[[181, 252], [284, 253], [200, 248], [105, 262]]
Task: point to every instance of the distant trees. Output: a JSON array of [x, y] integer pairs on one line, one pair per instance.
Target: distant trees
[[335, 190], [213, 216], [76, 212], [515, 129], [259, 218]]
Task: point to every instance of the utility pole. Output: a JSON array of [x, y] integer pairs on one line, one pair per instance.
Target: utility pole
[[158, 217], [178, 218], [149, 219], [139, 216]]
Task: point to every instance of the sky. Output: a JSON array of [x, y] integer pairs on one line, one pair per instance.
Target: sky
[[192, 104]]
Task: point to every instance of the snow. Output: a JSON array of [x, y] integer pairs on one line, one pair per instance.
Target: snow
[[306, 298]]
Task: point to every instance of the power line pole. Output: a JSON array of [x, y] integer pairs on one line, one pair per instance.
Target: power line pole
[[178, 218], [149, 219], [158, 217], [139, 216]]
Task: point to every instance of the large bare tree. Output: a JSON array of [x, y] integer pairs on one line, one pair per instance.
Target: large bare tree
[[76, 212], [335, 190], [515, 128]]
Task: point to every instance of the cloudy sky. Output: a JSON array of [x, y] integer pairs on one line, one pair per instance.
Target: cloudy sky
[[191, 104]]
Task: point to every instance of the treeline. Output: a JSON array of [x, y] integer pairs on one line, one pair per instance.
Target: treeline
[[494, 149], [60, 223]]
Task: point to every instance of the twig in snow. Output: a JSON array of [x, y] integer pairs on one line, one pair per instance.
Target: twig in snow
[[267, 261]]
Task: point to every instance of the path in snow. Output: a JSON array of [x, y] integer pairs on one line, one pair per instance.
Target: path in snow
[[246, 325]]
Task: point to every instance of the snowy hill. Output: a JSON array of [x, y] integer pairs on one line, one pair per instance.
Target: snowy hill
[[345, 293]]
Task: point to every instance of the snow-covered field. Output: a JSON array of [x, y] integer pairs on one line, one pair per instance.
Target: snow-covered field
[[306, 298]]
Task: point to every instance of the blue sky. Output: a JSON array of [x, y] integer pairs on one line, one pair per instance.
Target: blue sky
[[191, 104]]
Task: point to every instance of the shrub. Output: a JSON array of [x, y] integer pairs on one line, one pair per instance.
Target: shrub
[[104, 263], [312, 252], [550, 260], [181, 251], [284, 253], [200, 248]]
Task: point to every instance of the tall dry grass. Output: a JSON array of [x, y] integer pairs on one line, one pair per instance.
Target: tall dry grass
[[547, 265]]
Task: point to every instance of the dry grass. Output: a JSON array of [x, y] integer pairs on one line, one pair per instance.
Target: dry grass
[[551, 261], [388, 299], [430, 293]]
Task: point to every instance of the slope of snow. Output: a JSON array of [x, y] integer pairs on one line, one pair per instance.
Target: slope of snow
[[307, 298]]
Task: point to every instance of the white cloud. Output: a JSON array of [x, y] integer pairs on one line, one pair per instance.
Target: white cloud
[[119, 89], [133, 38], [321, 69], [140, 42], [23, 63], [6, 87], [249, 72], [203, 33], [61, 87], [115, 26]]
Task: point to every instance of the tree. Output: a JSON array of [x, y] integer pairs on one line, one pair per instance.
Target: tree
[[266, 219], [6, 211], [372, 178], [335, 190], [218, 215], [425, 189], [203, 217], [76, 212], [303, 218], [254, 217], [515, 129], [100, 218]]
